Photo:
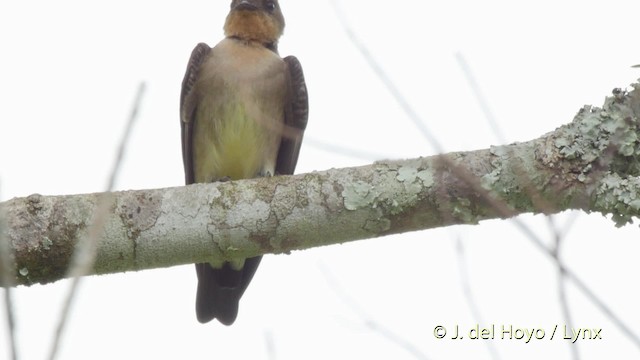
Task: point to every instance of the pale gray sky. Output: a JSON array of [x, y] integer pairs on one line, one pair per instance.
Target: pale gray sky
[[68, 74]]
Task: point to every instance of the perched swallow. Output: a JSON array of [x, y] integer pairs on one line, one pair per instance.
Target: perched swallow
[[243, 111]]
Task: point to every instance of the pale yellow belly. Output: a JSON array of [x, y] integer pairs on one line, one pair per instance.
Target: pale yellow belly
[[232, 141]]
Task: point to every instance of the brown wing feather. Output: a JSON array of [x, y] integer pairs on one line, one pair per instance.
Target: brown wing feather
[[188, 104], [295, 118]]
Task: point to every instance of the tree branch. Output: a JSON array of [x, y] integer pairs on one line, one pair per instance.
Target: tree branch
[[591, 164]]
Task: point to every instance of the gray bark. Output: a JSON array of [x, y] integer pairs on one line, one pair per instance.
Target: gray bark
[[590, 164]]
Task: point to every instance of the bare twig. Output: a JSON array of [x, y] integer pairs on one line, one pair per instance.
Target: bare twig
[[482, 101], [366, 155], [388, 83], [462, 263], [367, 320], [462, 173], [577, 281], [562, 285], [533, 194], [484, 105], [466, 288], [86, 249]]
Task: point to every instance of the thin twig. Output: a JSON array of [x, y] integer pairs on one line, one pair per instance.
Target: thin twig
[[489, 116], [482, 101], [562, 286], [484, 105], [464, 175], [388, 83], [366, 319], [518, 170], [507, 212], [466, 289], [86, 250], [592, 296], [344, 150], [572, 276], [7, 269]]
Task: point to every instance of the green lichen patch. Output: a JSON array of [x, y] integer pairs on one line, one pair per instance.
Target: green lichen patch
[[359, 194]]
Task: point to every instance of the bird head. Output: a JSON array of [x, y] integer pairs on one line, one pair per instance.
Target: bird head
[[255, 20]]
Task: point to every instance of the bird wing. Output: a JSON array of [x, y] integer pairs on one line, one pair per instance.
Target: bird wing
[[295, 118], [188, 104]]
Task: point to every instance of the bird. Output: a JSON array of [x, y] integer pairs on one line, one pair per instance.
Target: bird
[[243, 113]]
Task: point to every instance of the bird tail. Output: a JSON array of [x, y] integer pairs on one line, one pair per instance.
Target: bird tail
[[220, 290]]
